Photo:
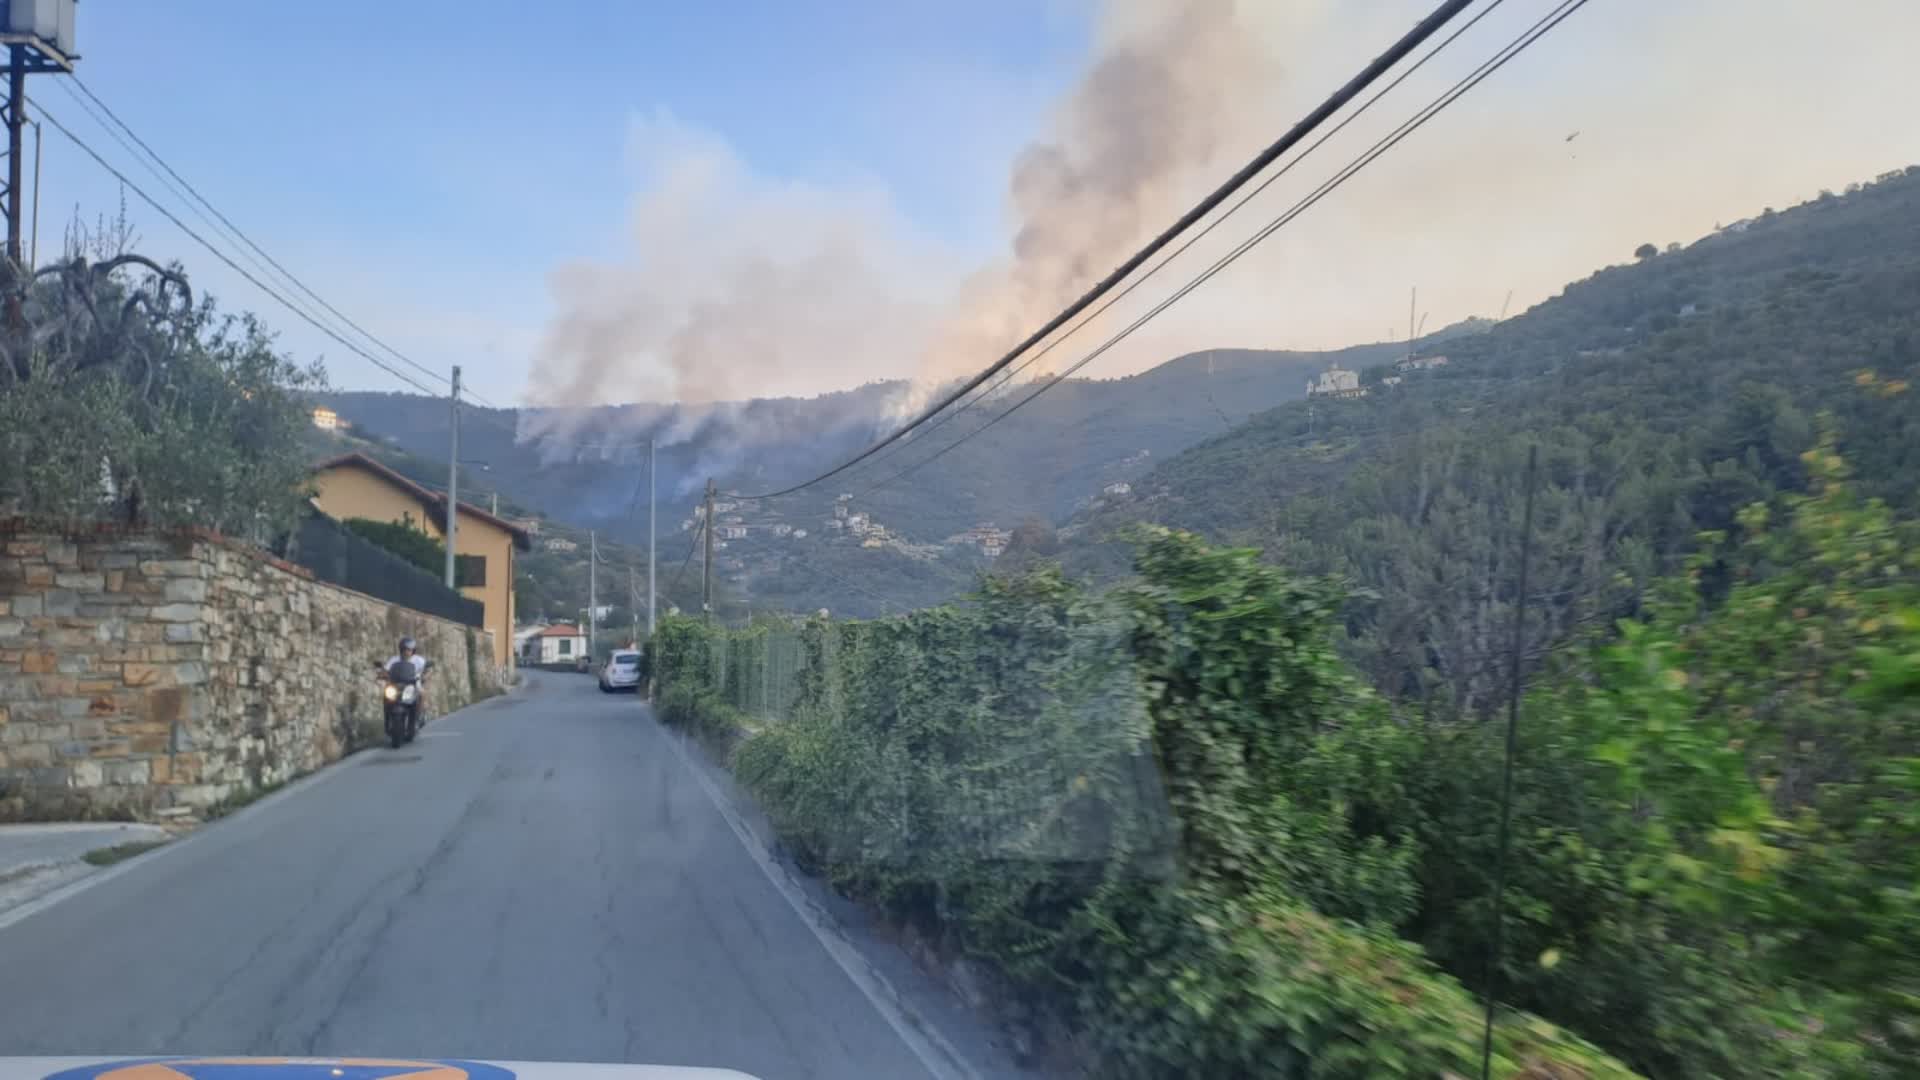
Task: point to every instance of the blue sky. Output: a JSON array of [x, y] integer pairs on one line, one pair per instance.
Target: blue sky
[[423, 165], [467, 184]]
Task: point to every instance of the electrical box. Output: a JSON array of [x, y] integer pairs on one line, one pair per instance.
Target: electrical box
[[49, 21]]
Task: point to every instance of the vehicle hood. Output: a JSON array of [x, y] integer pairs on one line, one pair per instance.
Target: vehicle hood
[[314, 1068]]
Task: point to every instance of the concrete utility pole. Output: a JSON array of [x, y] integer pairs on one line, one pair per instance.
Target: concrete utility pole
[[706, 567], [1413, 300], [593, 600], [453, 478], [651, 447]]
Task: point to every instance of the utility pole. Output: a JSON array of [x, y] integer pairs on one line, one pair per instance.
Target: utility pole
[[1413, 301], [38, 38], [706, 562], [593, 600], [453, 477], [33, 253], [650, 516], [17, 272], [496, 504]]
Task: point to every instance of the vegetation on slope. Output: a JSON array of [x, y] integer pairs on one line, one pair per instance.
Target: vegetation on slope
[[1664, 396]]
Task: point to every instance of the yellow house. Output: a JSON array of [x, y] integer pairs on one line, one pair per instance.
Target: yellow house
[[357, 486]]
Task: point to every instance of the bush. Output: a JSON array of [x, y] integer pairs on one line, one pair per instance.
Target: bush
[[140, 405], [403, 540], [1167, 815]]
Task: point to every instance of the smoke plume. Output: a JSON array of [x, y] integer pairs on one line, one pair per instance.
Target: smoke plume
[[741, 286]]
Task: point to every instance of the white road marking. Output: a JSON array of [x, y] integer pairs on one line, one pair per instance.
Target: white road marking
[[938, 1056]]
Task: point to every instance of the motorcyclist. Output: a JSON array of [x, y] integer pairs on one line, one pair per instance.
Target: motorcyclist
[[410, 654]]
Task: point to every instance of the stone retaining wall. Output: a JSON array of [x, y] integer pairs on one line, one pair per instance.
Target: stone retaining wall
[[141, 671]]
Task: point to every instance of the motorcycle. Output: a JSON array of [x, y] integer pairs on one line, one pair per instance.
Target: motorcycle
[[400, 690]]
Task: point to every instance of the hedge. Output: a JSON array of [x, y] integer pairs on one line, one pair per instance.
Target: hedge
[[1167, 816]]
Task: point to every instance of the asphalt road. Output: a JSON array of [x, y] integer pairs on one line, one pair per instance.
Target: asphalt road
[[538, 878]]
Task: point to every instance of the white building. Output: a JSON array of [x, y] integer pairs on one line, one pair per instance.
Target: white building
[[560, 643], [857, 524], [783, 529], [560, 543], [799, 534], [1118, 487], [731, 532], [1336, 381], [326, 419]]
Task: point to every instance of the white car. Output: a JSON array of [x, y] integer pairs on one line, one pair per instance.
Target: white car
[[622, 671]]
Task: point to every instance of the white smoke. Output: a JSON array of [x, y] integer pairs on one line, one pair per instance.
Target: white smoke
[[740, 286]]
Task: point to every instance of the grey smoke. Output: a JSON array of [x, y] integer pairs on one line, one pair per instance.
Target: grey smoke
[[740, 288]]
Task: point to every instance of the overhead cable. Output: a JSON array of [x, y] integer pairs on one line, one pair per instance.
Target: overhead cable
[[225, 258], [1514, 48], [75, 80], [1412, 40], [1014, 372]]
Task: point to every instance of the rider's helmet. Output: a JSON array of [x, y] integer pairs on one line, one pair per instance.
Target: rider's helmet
[[407, 646]]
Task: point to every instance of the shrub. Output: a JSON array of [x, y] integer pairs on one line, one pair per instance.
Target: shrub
[[1166, 815]]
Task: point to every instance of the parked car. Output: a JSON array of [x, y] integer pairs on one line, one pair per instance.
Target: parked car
[[622, 671]]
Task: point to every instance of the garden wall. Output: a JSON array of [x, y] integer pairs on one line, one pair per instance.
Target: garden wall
[[141, 671]]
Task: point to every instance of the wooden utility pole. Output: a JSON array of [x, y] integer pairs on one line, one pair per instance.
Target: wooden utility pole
[[706, 567], [34, 38], [18, 274]]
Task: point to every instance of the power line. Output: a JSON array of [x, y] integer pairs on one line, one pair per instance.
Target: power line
[[234, 229], [1014, 373], [173, 189], [1425, 29], [1512, 49], [223, 257]]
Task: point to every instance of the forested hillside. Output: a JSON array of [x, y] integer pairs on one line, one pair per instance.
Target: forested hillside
[[1664, 395], [1043, 462]]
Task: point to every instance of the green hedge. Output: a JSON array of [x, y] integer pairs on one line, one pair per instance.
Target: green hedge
[[1159, 813], [1170, 816]]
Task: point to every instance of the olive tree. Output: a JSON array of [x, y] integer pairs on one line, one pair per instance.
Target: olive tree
[[124, 397]]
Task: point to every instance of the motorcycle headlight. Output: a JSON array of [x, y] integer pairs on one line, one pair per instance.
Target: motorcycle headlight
[[393, 692]]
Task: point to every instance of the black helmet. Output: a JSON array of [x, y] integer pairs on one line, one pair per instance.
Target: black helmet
[[407, 645]]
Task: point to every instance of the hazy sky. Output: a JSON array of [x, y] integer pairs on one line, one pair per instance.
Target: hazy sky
[[644, 200]]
